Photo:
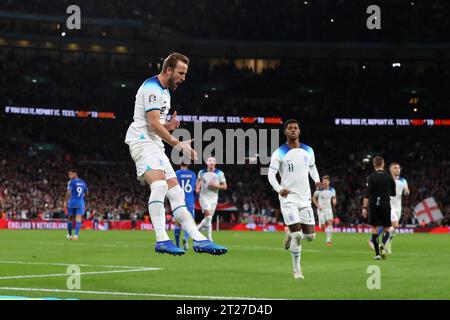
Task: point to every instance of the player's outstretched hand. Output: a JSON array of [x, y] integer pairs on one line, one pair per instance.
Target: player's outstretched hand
[[318, 185], [185, 147], [284, 192]]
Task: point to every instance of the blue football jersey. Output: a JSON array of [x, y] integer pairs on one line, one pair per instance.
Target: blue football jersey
[[78, 189], [187, 180]]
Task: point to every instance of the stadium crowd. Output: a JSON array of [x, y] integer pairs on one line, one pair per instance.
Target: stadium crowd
[[314, 90], [33, 172], [285, 20], [37, 152]]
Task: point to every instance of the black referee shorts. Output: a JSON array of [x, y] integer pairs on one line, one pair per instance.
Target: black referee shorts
[[380, 216]]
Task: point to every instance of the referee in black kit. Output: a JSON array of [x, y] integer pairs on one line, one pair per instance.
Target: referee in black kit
[[379, 188]]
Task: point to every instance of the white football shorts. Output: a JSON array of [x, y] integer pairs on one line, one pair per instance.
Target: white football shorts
[[208, 205], [325, 215], [396, 214], [149, 156], [294, 213]]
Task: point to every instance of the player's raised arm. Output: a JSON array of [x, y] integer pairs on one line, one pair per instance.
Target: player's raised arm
[[153, 106], [153, 117], [173, 124]]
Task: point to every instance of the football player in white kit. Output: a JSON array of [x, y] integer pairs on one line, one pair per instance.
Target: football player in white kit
[[209, 182], [325, 199], [396, 202], [295, 162], [145, 136]]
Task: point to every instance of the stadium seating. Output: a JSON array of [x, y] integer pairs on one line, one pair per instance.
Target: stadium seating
[[34, 166], [290, 20], [35, 161]]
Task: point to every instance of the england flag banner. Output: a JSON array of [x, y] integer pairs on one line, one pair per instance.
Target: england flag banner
[[428, 211]]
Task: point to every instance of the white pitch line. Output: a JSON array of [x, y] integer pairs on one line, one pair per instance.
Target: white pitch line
[[69, 264], [107, 245], [81, 273], [259, 248], [156, 295]]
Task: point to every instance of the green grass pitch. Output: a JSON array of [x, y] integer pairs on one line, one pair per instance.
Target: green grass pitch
[[257, 266]]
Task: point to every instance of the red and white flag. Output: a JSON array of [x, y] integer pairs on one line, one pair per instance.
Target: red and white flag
[[428, 211]]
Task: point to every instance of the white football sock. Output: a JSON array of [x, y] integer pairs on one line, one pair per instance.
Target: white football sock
[[392, 232], [302, 235], [329, 231], [309, 237], [201, 225], [296, 250], [208, 227], [180, 212], [157, 210]]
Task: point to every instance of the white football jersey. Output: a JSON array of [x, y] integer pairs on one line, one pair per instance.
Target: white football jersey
[[150, 96], [324, 197], [208, 176], [293, 164], [400, 186]]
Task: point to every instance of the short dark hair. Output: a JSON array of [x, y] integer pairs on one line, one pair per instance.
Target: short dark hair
[[395, 164], [172, 60], [326, 177], [184, 164], [73, 170], [378, 161], [288, 122]]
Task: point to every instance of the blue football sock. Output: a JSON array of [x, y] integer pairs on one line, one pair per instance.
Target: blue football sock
[[69, 227], [77, 228], [380, 231], [177, 232]]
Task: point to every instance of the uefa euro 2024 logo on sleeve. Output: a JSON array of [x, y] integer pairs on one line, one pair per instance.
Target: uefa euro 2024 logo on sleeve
[[152, 98]]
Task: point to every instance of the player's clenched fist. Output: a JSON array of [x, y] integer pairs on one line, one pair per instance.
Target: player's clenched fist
[[174, 123], [284, 192]]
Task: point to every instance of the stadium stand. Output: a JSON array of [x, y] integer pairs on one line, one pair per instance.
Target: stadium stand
[[315, 91], [290, 20]]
